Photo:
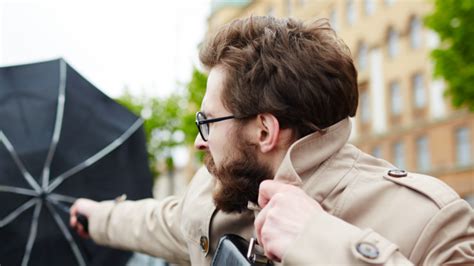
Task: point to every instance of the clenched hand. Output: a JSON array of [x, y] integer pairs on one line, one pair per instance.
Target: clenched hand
[[85, 207], [285, 211]]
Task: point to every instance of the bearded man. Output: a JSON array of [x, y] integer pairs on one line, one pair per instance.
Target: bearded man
[[274, 124]]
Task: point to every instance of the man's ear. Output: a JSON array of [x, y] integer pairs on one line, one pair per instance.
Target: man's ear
[[268, 132]]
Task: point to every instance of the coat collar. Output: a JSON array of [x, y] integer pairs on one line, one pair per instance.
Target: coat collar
[[305, 156]]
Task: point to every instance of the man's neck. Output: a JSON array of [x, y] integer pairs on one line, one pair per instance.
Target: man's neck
[[286, 139]]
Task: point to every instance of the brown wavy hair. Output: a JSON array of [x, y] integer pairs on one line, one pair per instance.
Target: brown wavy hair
[[301, 73]]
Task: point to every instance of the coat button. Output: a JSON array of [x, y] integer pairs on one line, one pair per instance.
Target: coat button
[[367, 250], [204, 242], [397, 173]]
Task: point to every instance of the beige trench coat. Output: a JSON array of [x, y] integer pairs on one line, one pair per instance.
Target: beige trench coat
[[374, 215]]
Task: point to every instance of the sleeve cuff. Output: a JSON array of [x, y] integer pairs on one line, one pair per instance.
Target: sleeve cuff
[[98, 222]]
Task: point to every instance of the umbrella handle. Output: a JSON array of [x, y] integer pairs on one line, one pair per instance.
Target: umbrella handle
[[82, 219]]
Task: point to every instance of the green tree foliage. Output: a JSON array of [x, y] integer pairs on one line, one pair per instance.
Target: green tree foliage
[[162, 125], [169, 122], [453, 20], [195, 92]]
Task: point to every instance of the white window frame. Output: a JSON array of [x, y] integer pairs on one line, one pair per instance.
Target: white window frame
[[399, 154], [376, 152], [369, 7], [423, 158], [463, 146], [393, 42], [365, 107], [351, 12], [362, 56], [419, 95], [396, 98], [416, 32], [333, 19]]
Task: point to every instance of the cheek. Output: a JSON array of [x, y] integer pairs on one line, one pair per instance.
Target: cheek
[[220, 144], [221, 151], [216, 154]]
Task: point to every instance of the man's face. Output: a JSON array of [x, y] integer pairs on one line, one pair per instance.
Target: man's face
[[238, 177], [230, 156], [212, 107]]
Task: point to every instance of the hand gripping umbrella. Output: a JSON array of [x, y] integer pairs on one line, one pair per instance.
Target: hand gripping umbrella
[[60, 139]]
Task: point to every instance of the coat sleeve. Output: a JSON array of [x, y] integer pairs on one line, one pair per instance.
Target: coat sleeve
[[447, 239], [148, 226], [332, 241]]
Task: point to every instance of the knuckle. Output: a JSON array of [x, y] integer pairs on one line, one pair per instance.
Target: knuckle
[[272, 216], [266, 235], [294, 189], [278, 197]]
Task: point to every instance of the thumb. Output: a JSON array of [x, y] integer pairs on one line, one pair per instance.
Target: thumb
[[268, 189]]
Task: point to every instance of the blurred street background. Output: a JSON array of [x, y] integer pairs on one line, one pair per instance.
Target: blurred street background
[[415, 60], [414, 101]]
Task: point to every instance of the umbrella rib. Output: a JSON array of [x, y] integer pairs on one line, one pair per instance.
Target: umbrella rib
[[33, 232], [58, 180], [12, 216], [67, 235], [18, 162], [18, 190], [57, 123], [59, 197]]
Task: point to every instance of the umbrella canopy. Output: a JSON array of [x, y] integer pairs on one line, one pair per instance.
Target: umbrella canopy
[[60, 139]]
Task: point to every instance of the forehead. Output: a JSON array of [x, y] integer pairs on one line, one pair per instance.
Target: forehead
[[212, 103]]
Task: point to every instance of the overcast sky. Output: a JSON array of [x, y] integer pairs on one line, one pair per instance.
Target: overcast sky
[[146, 45]]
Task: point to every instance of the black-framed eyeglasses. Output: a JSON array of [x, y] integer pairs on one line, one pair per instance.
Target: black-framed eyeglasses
[[202, 123]]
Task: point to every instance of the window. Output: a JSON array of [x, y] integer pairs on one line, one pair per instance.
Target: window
[[392, 42], [377, 152], [399, 155], [350, 12], [415, 33], [369, 7], [289, 7], [362, 56], [333, 19], [418, 91], [364, 106], [463, 146], [395, 98], [271, 11], [423, 160], [470, 199]]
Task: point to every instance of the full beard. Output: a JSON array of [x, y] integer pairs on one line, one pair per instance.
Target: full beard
[[238, 178]]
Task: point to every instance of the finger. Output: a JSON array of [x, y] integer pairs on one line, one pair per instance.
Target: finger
[[271, 247], [81, 232], [73, 212], [72, 215], [72, 221], [259, 222], [272, 257], [268, 189]]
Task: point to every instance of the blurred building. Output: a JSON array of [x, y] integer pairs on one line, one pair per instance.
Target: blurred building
[[403, 116]]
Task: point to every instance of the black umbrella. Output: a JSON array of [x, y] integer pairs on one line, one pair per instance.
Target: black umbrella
[[60, 139]]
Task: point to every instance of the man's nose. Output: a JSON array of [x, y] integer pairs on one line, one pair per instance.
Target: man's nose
[[200, 144]]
